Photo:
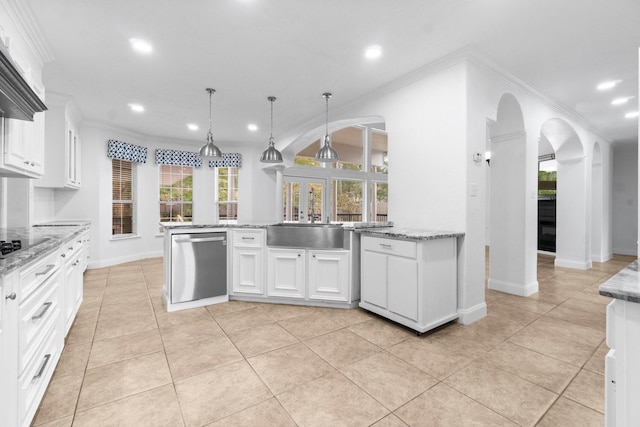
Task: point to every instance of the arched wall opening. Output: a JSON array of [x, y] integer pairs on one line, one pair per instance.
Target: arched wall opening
[[512, 254], [572, 230]]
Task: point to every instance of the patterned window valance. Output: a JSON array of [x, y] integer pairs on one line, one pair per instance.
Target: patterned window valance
[[129, 152], [175, 157], [229, 160]]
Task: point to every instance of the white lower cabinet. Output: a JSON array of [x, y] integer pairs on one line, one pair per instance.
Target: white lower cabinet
[[248, 262], [286, 273], [328, 275], [410, 282], [38, 303]]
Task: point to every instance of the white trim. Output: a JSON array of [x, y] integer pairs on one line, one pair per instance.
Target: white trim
[[118, 237], [124, 259], [470, 315], [567, 263], [514, 288]]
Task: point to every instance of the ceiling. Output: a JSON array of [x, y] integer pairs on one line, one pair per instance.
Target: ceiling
[[296, 50]]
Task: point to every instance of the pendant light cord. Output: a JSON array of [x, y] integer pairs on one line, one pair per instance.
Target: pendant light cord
[[271, 133]]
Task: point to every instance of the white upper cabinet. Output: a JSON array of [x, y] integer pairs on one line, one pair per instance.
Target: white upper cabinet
[[23, 53], [62, 145]]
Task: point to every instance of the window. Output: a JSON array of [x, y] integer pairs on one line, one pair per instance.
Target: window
[[176, 193], [547, 178], [227, 195], [358, 182], [347, 204], [378, 200], [122, 205]]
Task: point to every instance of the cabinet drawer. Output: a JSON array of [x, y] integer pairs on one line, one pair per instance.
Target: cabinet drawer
[[36, 315], [248, 237], [33, 276], [404, 248], [33, 382]]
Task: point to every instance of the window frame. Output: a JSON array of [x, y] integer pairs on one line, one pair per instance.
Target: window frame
[[329, 173], [131, 202], [174, 202], [229, 200]]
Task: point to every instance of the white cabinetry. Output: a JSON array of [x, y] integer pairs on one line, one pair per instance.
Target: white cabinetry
[[328, 275], [63, 148], [23, 144], [31, 336], [622, 370], [286, 271], [248, 261], [410, 282], [73, 254], [22, 141]]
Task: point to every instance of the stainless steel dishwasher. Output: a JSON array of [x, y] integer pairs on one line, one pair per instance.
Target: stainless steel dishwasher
[[198, 266]]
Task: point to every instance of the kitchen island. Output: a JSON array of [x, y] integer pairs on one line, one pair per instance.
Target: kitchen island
[[263, 271], [410, 275], [622, 367]]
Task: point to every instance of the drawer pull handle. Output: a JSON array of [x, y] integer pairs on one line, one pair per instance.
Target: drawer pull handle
[[43, 366], [248, 238], [63, 255], [70, 248], [12, 295], [47, 306], [46, 270], [385, 245]]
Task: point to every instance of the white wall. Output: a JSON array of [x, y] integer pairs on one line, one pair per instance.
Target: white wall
[[625, 199], [93, 200]]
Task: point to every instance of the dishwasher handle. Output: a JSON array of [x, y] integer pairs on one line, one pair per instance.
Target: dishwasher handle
[[201, 239]]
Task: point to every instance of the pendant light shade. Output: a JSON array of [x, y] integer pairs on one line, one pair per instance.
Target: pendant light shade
[[271, 154], [326, 153], [210, 149]]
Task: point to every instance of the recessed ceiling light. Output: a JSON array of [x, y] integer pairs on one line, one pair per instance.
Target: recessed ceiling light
[[608, 84], [192, 126], [631, 115], [619, 101], [136, 107], [140, 45], [373, 52], [252, 127]]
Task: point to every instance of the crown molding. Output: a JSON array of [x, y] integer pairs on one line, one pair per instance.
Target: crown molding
[[21, 14]]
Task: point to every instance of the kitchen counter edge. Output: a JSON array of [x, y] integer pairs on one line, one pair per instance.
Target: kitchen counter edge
[[625, 285], [408, 233], [54, 235]]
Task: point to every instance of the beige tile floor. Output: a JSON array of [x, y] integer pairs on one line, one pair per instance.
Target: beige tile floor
[[531, 361]]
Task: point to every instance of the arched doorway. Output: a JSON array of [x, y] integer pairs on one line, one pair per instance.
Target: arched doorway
[[572, 244], [512, 229]]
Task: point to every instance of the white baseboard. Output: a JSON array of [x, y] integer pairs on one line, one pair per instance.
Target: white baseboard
[[124, 259], [567, 263], [625, 251], [601, 258], [470, 315], [514, 288]]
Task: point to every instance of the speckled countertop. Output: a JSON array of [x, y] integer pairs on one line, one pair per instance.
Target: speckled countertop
[[346, 225], [408, 233], [625, 285], [37, 241]]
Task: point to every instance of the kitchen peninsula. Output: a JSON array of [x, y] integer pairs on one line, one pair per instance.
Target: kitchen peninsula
[[622, 371], [408, 276]]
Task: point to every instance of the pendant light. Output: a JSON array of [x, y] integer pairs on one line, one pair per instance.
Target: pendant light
[[271, 154], [209, 149], [326, 154]]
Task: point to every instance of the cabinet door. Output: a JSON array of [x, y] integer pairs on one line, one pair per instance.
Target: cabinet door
[[247, 271], [374, 278], [328, 275], [286, 273], [403, 287]]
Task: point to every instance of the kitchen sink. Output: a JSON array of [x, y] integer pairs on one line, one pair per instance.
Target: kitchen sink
[[309, 236]]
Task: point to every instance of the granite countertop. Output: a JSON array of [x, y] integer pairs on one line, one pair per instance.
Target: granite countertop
[[625, 285], [38, 241], [408, 233], [346, 225]]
